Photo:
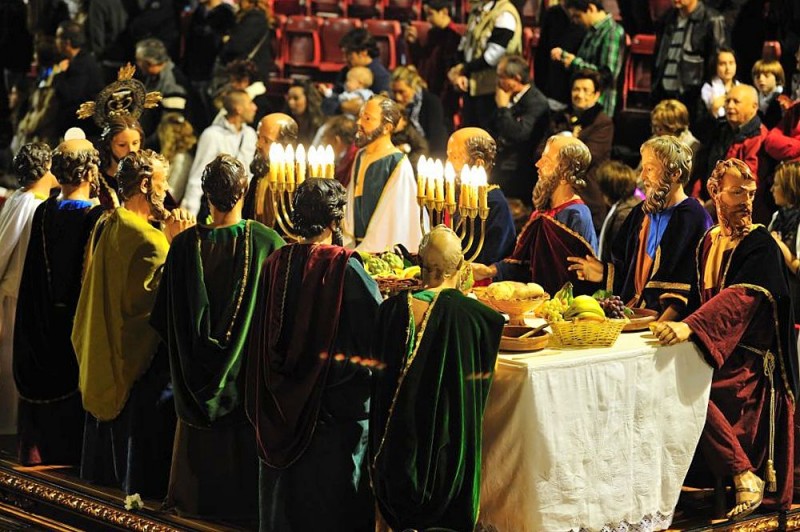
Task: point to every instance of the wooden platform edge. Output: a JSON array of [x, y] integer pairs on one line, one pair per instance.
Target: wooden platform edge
[[29, 486]]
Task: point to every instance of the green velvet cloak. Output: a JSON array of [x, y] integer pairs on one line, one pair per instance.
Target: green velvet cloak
[[427, 410], [203, 311]]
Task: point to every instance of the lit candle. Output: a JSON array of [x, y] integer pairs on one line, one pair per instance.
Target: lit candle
[[312, 160], [300, 157], [430, 189], [450, 181], [473, 188], [289, 163], [483, 189], [330, 159], [463, 200], [421, 177], [275, 156], [438, 175]]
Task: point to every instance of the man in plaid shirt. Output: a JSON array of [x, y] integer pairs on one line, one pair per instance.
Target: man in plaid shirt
[[602, 47]]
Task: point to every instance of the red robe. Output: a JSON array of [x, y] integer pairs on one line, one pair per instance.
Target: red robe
[[745, 316]]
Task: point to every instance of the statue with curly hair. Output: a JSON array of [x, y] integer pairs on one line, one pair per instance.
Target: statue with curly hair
[[32, 168], [560, 226], [652, 262], [213, 271], [50, 427], [745, 328], [121, 369], [309, 373]]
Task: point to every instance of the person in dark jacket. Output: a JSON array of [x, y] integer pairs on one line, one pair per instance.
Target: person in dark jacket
[[250, 37], [438, 54], [79, 77], [587, 121], [519, 125], [422, 109], [688, 39], [211, 21]]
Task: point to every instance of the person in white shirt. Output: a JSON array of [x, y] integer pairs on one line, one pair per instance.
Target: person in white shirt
[[229, 133]]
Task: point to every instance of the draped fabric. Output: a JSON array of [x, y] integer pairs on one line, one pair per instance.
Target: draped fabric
[[664, 265], [744, 319], [15, 231], [112, 336], [291, 342], [203, 311], [427, 410], [543, 248], [45, 367]]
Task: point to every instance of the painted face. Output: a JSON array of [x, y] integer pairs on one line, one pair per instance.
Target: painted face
[[657, 186], [267, 134], [296, 100], [125, 142], [726, 66], [548, 174], [370, 124], [457, 154], [734, 202], [584, 94], [157, 191], [403, 93]]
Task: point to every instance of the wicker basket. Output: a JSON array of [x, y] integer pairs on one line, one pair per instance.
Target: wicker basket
[[587, 333]]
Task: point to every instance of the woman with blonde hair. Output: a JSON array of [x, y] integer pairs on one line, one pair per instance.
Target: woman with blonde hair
[[177, 140], [422, 109], [671, 117]]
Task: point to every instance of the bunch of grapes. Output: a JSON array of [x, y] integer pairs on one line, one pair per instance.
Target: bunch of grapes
[[613, 307], [553, 310]]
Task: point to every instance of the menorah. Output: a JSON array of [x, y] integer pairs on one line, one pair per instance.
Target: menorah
[[288, 167], [436, 195]]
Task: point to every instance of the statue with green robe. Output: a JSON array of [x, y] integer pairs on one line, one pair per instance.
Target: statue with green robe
[[202, 313], [437, 350]]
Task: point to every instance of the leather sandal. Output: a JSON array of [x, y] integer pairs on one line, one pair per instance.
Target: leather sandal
[[746, 508]]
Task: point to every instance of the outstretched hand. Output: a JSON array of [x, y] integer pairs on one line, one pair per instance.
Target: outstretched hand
[[671, 332], [587, 268]]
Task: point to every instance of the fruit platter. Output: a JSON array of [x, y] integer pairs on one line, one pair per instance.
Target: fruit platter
[[584, 321], [392, 271], [513, 298]]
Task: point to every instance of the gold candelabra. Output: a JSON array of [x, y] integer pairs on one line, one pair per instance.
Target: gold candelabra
[[288, 168], [436, 195]]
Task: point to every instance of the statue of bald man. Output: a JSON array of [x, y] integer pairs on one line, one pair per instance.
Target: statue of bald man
[[475, 147], [428, 477]]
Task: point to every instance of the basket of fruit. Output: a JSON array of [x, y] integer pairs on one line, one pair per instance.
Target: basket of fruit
[[513, 298], [392, 272], [581, 321]]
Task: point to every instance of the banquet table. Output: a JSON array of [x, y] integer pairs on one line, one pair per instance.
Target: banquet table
[[591, 439]]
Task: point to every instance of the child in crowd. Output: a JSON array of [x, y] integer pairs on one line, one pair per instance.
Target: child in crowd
[[617, 182], [713, 93], [786, 221], [357, 84], [768, 78]]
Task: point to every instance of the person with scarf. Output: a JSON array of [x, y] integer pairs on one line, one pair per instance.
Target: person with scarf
[[561, 225], [308, 373], [440, 345], [422, 109], [744, 327], [651, 258], [202, 313]]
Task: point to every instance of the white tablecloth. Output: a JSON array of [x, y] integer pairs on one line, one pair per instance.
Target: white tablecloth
[[591, 439]]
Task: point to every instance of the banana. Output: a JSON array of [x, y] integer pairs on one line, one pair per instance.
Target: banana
[[584, 305], [565, 294], [411, 272], [590, 316]]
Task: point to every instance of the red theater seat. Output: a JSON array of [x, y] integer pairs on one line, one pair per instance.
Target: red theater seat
[[386, 34], [331, 32], [638, 71], [301, 44]]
